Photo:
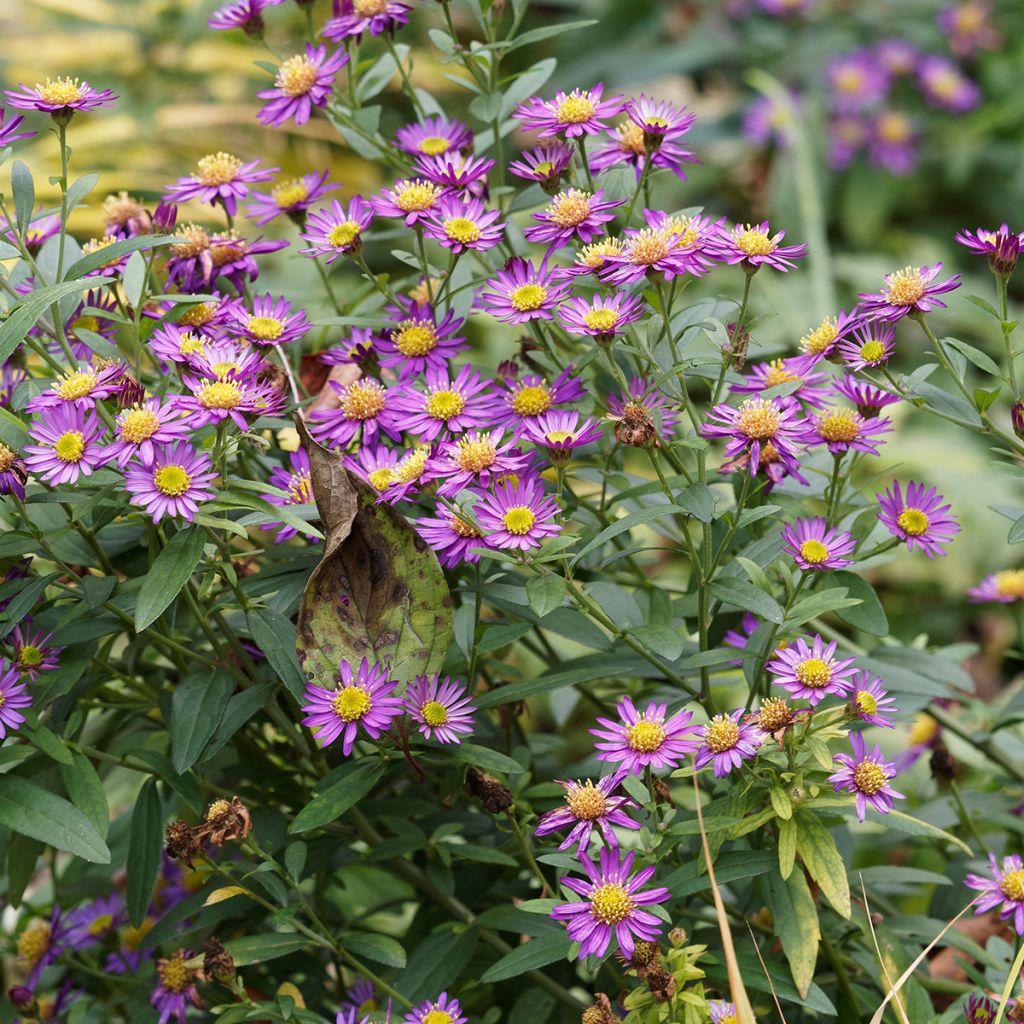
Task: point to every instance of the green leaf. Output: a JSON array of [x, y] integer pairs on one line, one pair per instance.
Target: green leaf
[[239, 709], [976, 356], [346, 786], [536, 35], [84, 787], [869, 615], [545, 593], [900, 821], [382, 949], [378, 591], [539, 952], [43, 739], [741, 594], [781, 803], [729, 867], [30, 810], [23, 190], [275, 637], [787, 847], [663, 641], [24, 315], [197, 707], [1016, 534], [134, 278], [814, 605], [487, 759], [257, 949], [168, 575], [627, 522], [984, 397], [145, 848], [699, 501], [818, 851], [97, 259], [436, 963], [795, 919]]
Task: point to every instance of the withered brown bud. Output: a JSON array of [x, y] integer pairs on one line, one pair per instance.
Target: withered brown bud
[[600, 1012], [22, 998], [943, 765], [635, 427], [217, 961], [130, 392], [1017, 1013], [662, 794], [508, 369], [226, 820], [181, 841], [739, 342], [495, 796], [661, 983], [678, 937]]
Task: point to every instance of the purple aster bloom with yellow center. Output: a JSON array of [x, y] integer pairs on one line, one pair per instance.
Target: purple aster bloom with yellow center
[[847, 135], [945, 86], [477, 459], [359, 345], [410, 199], [271, 321], [80, 387], [445, 405], [203, 258], [754, 246], [920, 519], [871, 344], [844, 430], [612, 905], [441, 708], [366, 408], [644, 401], [821, 340], [967, 28], [518, 515], [460, 224], [375, 464], [811, 671], [363, 700], [42, 940], [868, 399], [445, 1009], [601, 316], [546, 165], [452, 537], [219, 178], [351, 18], [419, 342], [1002, 247], [815, 546], [766, 120], [650, 133], [303, 81], [726, 742], [980, 1009], [230, 396], [226, 357], [762, 376], [113, 266], [361, 996], [12, 472], [174, 484], [897, 56], [244, 14], [668, 246], [867, 775], [336, 230], [128, 958], [37, 232], [290, 198], [572, 214], [60, 97], [206, 317], [588, 805], [1004, 891], [70, 445], [892, 141], [532, 396], [722, 1012], [13, 696], [645, 740], [433, 136], [294, 480], [33, 654], [560, 432], [856, 81], [89, 925], [658, 118], [522, 292], [11, 378], [757, 423], [455, 171], [175, 988], [9, 128], [592, 258], [1005, 586], [870, 702], [573, 115]]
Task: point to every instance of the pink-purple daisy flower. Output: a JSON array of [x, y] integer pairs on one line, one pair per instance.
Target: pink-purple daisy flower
[[33, 653], [871, 344], [14, 698], [754, 246], [588, 805], [270, 321], [640, 740], [9, 128], [244, 14], [794, 369], [336, 230], [175, 989], [756, 424], [411, 199], [573, 115], [303, 81], [445, 405], [441, 708], [1004, 891], [290, 198], [60, 97], [546, 165], [80, 387], [522, 292], [445, 1009], [811, 671], [460, 224], [668, 246], [844, 430], [70, 445], [518, 515], [477, 459], [1005, 586], [726, 743], [231, 396], [908, 291], [294, 480], [433, 136], [220, 178], [561, 432], [455, 171], [919, 519], [870, 702], [451, 537], [1002, 247], [419, 342], [601, 316], [366, 408], [531, 396], [815, 546], [945, 86], [866, 774], [351, 18], [174, 484], [868, 399], [573, 213]]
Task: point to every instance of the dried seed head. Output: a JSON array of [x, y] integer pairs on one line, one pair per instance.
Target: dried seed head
[[492, 794]]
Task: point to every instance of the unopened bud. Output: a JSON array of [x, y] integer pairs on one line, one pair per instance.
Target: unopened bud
[[943, 765], [1017, 417], [21, 998]]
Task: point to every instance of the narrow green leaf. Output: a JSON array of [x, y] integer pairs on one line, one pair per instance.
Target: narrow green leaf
[[258, 949], [539, 952], [436, 963], [487, 759], [84, 787], [787, 847], [627, 522], [23, 190], [168, 574], [275, 637], [699, 501], [382, 949], [869, 615], [97, 259], [795, 919], [663, 641], [818, 851], [545, 593], [23, 316], [741, 594], [197, 707], [145, 846], [348, 785]]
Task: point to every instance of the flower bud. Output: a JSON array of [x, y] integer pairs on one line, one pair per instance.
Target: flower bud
[[943, 765], [492, 794], [21, 998], [1017, 417], [217, 961]]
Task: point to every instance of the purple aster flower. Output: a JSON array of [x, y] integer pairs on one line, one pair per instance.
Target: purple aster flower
[[546, 165], [128, 958], [844, 430], [80, 387], [868, 399], [923, 735], [477, 459], [810, 671], [60, 97], [352, 350], [785, 371], [856, 81], [979, 1009], [451, 537], [70, 445], [455, 171], [174, 484], [816, 547], [871, 344], [459, 225], [228, 397], [441, 709], [292, 198], [295, 481], [757, 423], [644, 400], [921, 519], [392, 475], [627, 145], [9, 128], [668, 246], [42, 939], [112, 267], [560, 432], [36, 233], [11, 378], [612, 905], [303, 82], [753, 245], [658, 118], [365, 408], [587, 805], [869, 701], [445, 1009], [897, 56], [220, 178], [13, 695], [768, 121], [522, 292], [418, 342], [88, 317], [364, 698], [721, 1011], [175, 988], [91, 923], [572, 214], [203, 258], [361, 996], [433, 136], [945, 86], [867, 775], [533, 396], [1005, 587], [1002, 247], [966, 27], [335, 231], [593, 258], [244, 14], [270, 322], [446, 404], [820, 341], [12, 472], [351, 18], [226, 357], [847, 135], [33, 654], [518, 515], [602, 316], [892, 142], [572, 115], [638, 741], [208, 317], [727, 743], [410, 199], [782, 9], [739, 638]]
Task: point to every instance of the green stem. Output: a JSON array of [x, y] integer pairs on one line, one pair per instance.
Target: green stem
[[1004, 318]]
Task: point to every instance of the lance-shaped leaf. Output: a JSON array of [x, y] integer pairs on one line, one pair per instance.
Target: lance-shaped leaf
[[378, 591]]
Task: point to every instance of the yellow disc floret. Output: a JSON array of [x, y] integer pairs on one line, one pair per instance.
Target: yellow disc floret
[[474, 453], [265, 328], [645, 736], [721, 734], [296, 76], [815, 342], [519, 520], [461, 229], [76, 384], [576, 108], [813, 552], [913, 522], [758, 419], [34, 941], [754, 241], [363, 400], [905, 287], [220, 394], [1012, 885], [531, 400], [413, 196], [352, 703], [841, 426], [611, 903], [872, 351], [1010, 582], [814, 673], [569, 208], [444, 404], [59, 91], [869, 776], [174, 975], [70, 447], [603, 319], [586, 801], [138, 424], [218, 168], [344, 234], [289, 193], [528, 297], [434, 713], [172, 480]]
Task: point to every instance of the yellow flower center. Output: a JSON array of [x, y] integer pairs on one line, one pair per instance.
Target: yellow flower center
[[7, 458], [570, 208], [532, 400], [220, 394], [218, 168], [443, 405], [381, 479], [101, 923], [866, 703], [411, 196], [610, 903], [913, 521], [528, 297], [645, 736], [171, 480], [217, 808], [434, 713], [594, 255], [84, 323], [1012, 885], [59, 91], [576, 108], [729, 1018], [301, 489], [544, 169], [631, 138], [817, 341], [681, 231], [774, 714], [410, 467], [649, 246], [872, 351], [905, 287], [603, 319], [462, 528], [849, 79], [197, 315], [721, 734], [190, 344], [869, 776], [29, 656], [893, 127], [370, 8], [344, 234], [197, 241], [296, 76], [122, 208], [223, 368], [558, 436], [434, 145], [290, 193], [34, 941], [363, 400], [1010, 582], [758, 420], [924, 730], [76, 385], [586, 802], [519, 520], [415, 337], [754, 241], [131, 938], [174, 975], [138, 425], [839, 426], [778, 374], [814, 673], [436, 1016], [474, 453], [461, 229], [352, 703], [814, 552], [266, 328], [70, 446]]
